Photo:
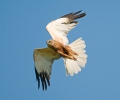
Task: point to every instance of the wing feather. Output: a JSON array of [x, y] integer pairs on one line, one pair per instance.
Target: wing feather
[[43, 59], [59, 28]]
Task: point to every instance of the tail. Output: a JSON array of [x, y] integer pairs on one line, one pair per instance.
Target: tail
[[73, 67]]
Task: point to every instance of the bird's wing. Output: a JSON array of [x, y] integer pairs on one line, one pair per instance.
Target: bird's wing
[[43, 59], [59, 28]]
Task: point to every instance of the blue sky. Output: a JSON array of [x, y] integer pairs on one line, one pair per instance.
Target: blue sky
[[22, 29]]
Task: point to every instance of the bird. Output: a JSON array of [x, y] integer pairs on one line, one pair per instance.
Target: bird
[[74, 54]]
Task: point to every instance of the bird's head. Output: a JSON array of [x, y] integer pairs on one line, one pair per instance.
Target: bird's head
[[52, 44], [49, 42]]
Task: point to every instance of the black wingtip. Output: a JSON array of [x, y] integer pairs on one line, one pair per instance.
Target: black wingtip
[[37, 78], [48, 82], [79, 15], [77, 12], [75, 15], [45, 79]]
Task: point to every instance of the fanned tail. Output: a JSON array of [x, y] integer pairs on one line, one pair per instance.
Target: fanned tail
[[73, 67]]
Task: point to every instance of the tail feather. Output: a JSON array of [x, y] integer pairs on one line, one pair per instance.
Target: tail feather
[[73, 67]]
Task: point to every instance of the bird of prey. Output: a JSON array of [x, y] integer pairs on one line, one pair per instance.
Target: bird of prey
[[74, 55]]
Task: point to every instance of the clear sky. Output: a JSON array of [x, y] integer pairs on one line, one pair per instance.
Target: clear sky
[[22, 29]]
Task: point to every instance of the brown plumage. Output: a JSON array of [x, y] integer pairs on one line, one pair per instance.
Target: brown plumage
[[64, 51]]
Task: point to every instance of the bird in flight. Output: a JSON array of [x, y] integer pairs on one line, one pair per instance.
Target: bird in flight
[[74, 55]]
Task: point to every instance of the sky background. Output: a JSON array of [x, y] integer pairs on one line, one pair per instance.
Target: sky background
[[22, 29]]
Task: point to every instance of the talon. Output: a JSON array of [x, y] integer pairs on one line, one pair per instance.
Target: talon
[[76, 54], [74, 58]]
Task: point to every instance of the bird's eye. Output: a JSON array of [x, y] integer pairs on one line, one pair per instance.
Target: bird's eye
[[49, 41]]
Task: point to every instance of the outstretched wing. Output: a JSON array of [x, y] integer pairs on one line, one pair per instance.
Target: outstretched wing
[[43, 59], [59, 28]]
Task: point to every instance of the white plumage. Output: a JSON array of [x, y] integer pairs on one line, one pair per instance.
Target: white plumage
[[72, 66]]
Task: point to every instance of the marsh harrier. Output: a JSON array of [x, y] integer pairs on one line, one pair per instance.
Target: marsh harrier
[[73, 54]]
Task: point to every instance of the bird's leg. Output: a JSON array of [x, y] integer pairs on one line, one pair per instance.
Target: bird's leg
[[71, 52], [65, 55]]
